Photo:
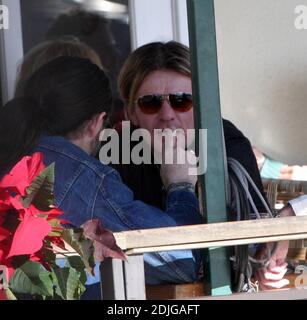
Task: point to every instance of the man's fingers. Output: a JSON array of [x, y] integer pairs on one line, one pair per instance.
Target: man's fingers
[[269, 275], [267, 285], [278, 268]]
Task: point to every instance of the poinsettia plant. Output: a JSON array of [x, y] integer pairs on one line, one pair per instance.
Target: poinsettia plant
[[32, 238]]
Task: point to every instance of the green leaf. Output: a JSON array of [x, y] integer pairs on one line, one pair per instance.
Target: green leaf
[[84, 247], [77, 263], [68, 285], [31, 278], [40, 192], [49, 255], [57, 228]]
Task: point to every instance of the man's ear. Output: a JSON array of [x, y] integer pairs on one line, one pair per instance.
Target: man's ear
[[130, 114], [96, 124]]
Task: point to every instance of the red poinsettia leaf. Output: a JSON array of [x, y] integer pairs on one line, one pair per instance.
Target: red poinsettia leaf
[[4, 208], [29, 236], [54, 213], [16, 203], [4, 201], [104, 242], [4, 234], [35, 165], [3, 198], [2, 218], [57, 241], [20, 177]]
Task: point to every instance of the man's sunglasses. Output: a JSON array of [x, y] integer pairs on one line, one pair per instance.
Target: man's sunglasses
[[152, 103]]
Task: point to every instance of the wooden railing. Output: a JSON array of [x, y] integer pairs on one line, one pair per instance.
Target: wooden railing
[[281, 191], [278, 193], [126, 280]]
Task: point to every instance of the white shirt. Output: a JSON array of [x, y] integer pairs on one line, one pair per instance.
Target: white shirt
[[299, 205]]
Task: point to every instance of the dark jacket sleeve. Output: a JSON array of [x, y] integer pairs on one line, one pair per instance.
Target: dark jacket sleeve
[[239, 148]]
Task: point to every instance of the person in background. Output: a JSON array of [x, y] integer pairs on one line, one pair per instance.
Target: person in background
[[271, 276], [99, 33], [46, 51], [92, 29], [272, 169]]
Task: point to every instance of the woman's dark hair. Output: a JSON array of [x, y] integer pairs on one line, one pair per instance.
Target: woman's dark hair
[[59, 98]]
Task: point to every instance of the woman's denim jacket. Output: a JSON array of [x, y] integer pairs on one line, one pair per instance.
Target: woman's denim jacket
[[86, 189]]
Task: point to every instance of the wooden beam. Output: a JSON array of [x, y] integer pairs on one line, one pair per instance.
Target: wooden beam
[[112, 280], [196, 290], [134, 278], [185, 235], [175, 291], [216, 244]]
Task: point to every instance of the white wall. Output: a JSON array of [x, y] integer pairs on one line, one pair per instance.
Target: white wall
[[148, 23], [263, 74], [158, 20], [11, 49]]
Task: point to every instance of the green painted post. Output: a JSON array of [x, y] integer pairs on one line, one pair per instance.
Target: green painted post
[[207, 113]]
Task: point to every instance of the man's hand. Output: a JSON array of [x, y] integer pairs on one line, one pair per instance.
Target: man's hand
[[179, 170], [272, 276]]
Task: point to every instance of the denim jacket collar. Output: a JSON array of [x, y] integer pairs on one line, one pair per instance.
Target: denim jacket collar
[[61, 145]]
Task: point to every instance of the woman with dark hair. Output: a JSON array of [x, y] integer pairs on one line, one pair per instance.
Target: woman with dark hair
[[61, 115], [57, 100]]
